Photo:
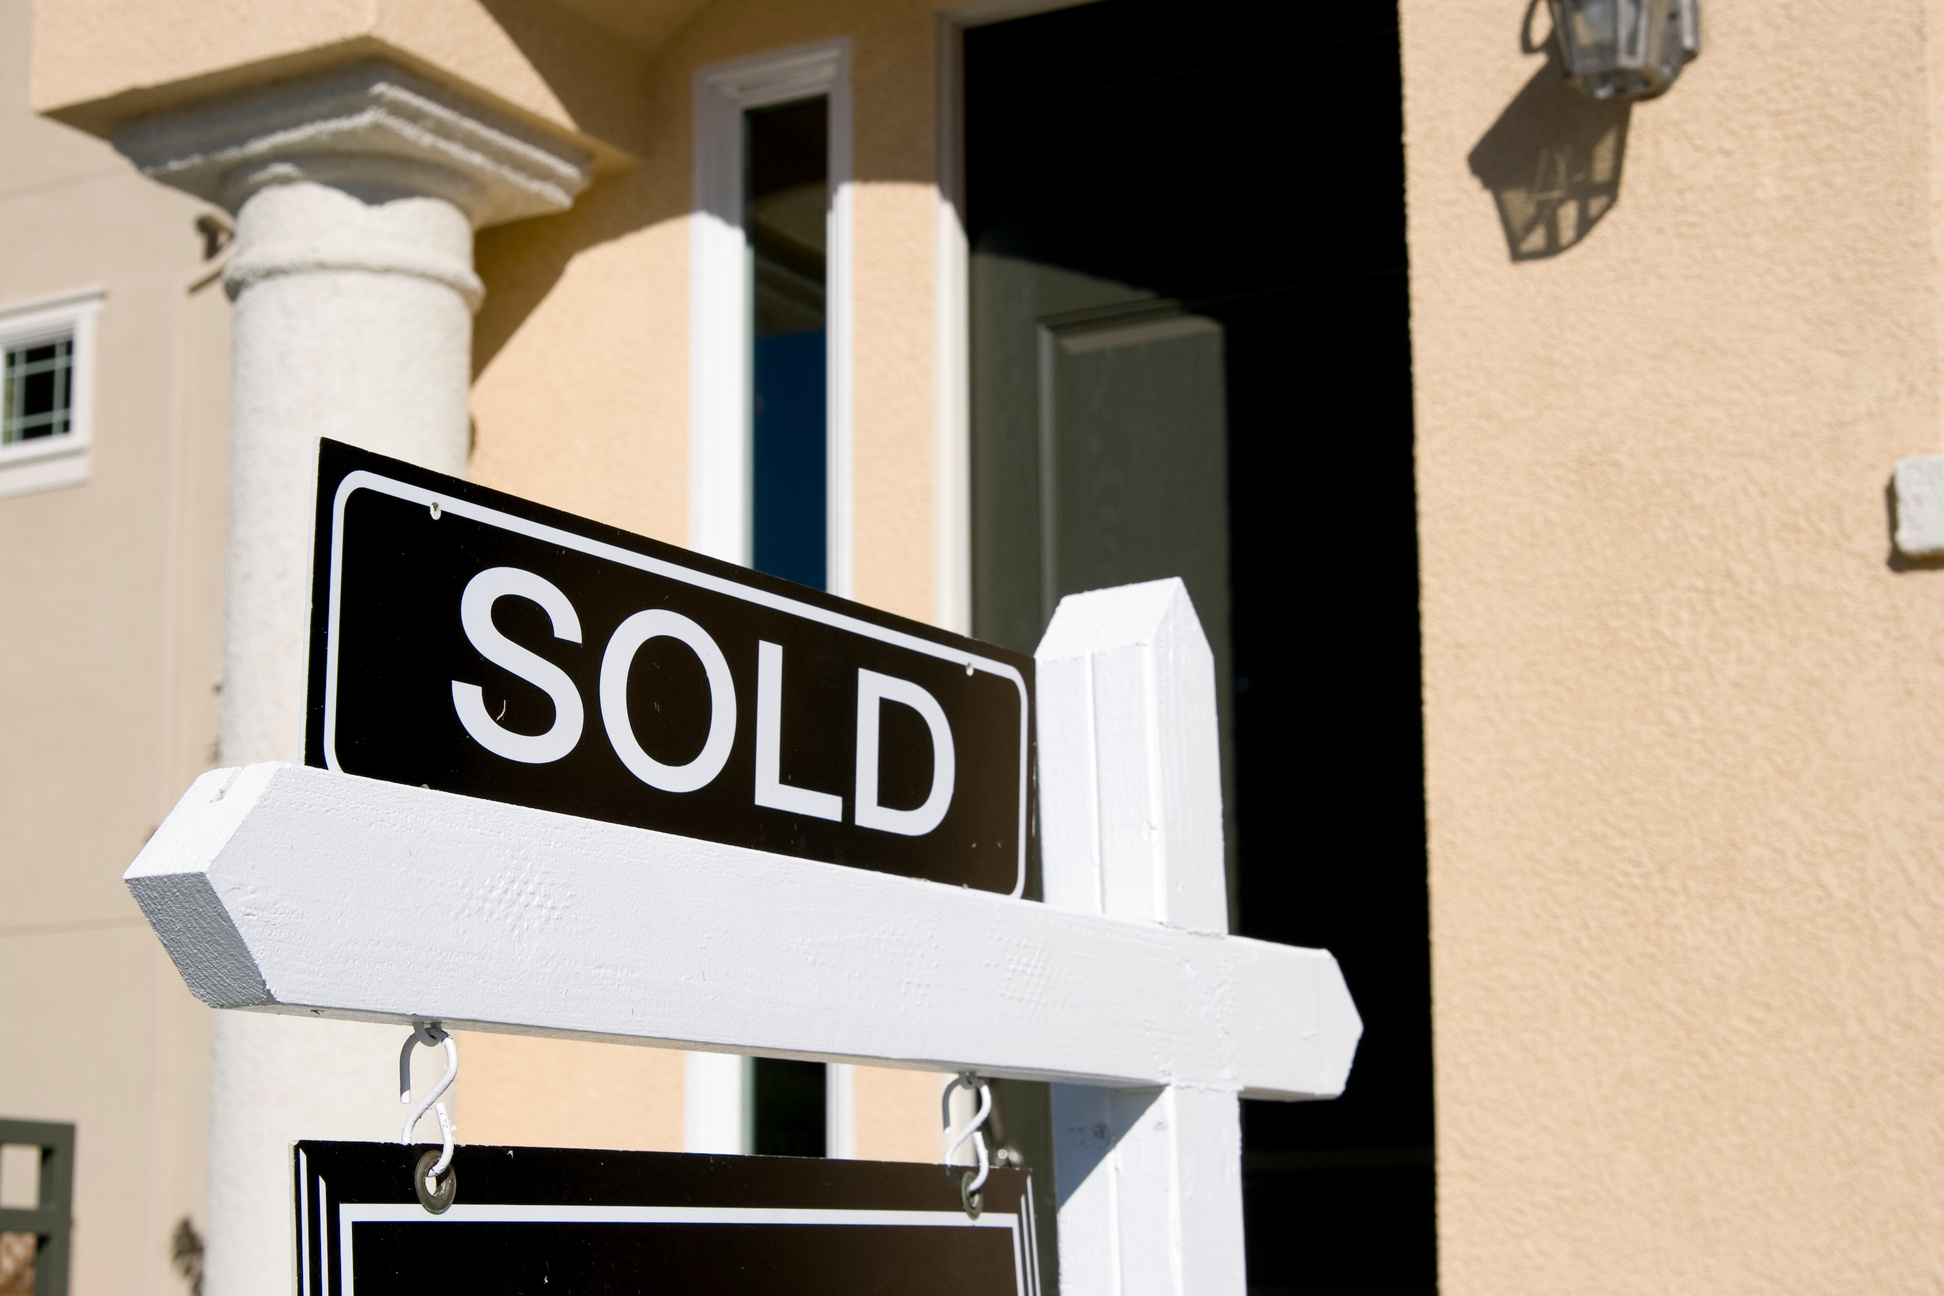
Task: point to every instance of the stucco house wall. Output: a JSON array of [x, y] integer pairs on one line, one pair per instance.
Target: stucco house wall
[[1684, 707], [110, 653]]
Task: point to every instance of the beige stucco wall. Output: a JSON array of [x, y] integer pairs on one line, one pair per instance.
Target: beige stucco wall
[[110, 638], [581, 392], [566, 1093], [581, 401], [559, 66], [1685, 718]]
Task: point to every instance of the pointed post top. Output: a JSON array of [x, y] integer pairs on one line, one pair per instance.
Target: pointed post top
[[1130, 759]]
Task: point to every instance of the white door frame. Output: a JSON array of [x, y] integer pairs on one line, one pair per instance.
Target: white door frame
[[720, 324], [951, 315]]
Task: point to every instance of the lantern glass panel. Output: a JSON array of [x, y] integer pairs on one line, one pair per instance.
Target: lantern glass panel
[[1634, 24], [1679, 41], [1626, 48], [1595, 41]]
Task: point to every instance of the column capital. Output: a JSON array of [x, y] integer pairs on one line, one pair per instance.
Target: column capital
[[369, 128]]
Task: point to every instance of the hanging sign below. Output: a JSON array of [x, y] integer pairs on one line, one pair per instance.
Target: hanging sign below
[[596, 1223], [473, 642]]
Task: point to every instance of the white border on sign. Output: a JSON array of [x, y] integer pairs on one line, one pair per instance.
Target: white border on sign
[[363, 479], [351, 1214], [1020, 1225]]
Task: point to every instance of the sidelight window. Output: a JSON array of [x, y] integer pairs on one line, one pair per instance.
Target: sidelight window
[[786, 155], [769, 438], [770, 367]]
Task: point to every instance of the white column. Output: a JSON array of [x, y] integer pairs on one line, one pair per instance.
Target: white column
[[715, 1103], [356, 192], [840, 1111], [1148, 1181], [718, 1106], [353, 320]]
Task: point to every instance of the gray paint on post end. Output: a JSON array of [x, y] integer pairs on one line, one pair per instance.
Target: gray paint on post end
[[181, 904]]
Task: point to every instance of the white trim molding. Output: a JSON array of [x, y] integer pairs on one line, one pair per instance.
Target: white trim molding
[[369, 123], [840, 1111], [720, 522], [952, 313], [951, 348], [48, 463]]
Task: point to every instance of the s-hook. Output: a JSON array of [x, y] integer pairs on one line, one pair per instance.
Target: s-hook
[[433, 1179], [972, 1180]]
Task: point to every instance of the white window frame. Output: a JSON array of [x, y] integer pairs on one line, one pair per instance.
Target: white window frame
[[721, 521], [719, 1106], [717, 1113], [48, 463]]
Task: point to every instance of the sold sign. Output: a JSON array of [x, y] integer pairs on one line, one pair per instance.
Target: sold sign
[[476, 643]]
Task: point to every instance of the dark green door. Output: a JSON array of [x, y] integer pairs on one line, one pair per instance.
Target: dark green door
[[1191, 357], [1102, 449]]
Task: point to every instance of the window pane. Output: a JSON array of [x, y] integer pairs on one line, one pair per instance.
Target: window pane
[[17, 1264], [20, 1169], [788, 183], [39, 391]]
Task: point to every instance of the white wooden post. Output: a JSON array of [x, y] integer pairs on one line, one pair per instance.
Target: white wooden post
[[1148, 1181]]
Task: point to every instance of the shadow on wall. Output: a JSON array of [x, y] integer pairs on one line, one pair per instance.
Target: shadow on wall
[[1552, 160], [642, 47], [522, 262], [1896, 559]]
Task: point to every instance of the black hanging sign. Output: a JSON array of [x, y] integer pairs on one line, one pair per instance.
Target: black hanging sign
[[477, 643], [530, 1221]]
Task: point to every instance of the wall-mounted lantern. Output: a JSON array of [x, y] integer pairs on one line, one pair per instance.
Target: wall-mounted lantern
[[1626, 49]]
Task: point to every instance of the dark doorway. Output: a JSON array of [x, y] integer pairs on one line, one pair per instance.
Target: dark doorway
[[1191, 356], [786, 1107], [786, 184]]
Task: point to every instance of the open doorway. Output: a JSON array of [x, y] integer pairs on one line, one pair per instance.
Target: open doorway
[[1190, 356]]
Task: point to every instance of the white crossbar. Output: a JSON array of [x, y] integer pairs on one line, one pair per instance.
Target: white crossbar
[[295, 890]]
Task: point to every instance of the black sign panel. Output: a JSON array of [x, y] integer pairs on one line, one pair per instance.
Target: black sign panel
[[529, 1221], [473, 642]]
